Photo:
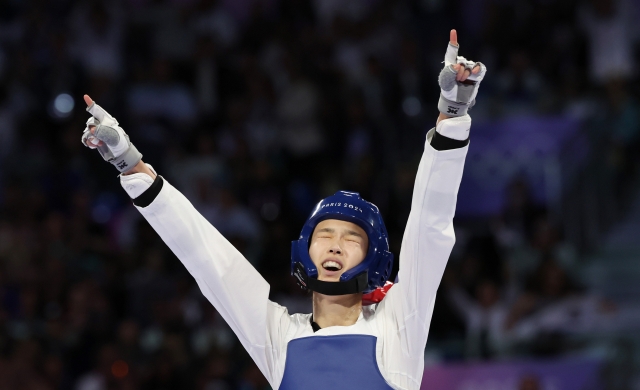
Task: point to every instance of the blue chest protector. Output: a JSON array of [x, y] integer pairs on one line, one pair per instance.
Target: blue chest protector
[[332, 362]]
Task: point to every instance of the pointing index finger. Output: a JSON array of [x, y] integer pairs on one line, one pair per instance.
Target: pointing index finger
[[452, 48], [98, 112], [453, 37]]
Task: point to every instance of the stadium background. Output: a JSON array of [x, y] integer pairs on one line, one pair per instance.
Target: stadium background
[[255, 109]]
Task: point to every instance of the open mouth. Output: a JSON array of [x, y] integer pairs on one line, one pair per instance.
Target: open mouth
[[331, 265]]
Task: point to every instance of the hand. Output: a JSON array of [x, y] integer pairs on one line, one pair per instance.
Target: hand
[[459, 81], [104, 133]]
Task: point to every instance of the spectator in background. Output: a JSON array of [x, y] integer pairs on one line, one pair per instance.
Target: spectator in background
[[484, 314], [348, 55], [553, 306], [623, 114], [128, 336], [609, 26], [149, 285], [623, 117], [161, 95], [100, 378], [213, 19], [549, 283], [98, 32], [519, 213], [618, 127], [206, 75], [24, 369], [198, 173], [545, 241], [358, 147], [237, 223], [297, 110], [261, 132], [174, 37], [522, 85]]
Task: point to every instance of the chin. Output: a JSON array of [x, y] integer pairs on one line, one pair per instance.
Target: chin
[[325, 278]]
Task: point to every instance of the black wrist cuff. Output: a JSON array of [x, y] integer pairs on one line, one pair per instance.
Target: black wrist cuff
[[440, 142], [150, 194]]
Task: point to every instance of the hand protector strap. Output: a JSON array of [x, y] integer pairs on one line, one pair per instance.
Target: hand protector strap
[[457, 97], [353, 286], [129, 159]]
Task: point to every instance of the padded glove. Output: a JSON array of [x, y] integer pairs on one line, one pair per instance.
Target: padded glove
[[456, 97], [116, 146]]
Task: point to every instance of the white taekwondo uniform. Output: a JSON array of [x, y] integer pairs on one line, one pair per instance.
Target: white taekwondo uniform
[[398, 326]]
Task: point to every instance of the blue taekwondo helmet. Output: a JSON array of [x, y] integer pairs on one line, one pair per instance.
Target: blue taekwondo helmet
[[371, 273]]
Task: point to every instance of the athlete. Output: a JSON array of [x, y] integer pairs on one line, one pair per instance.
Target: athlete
[[342, 253]]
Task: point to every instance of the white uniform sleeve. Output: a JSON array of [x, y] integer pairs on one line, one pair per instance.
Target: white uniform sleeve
[[427, 241], [224, 276]]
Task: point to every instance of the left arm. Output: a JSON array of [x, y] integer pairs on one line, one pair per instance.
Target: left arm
[[429, 237]]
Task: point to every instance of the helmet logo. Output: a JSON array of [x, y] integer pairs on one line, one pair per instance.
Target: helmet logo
[[340, 204]]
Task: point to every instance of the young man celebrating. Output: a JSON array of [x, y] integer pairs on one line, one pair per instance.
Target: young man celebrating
[[342, 252]]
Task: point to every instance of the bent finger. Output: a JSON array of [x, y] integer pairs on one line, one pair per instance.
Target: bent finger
[[91, 142], [460, 72]]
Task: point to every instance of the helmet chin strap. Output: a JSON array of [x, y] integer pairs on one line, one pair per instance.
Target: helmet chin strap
[[353, 286]]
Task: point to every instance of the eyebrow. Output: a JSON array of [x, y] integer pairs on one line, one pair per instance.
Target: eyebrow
[[331, 230]]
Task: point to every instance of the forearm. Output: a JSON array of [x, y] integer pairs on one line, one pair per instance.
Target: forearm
[[427, 241], [225, 277], [428, 237], [232, 285], [433, 206], [442, 117], [141, 167]]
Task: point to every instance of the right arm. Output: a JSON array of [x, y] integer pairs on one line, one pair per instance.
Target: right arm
[[236, 289]]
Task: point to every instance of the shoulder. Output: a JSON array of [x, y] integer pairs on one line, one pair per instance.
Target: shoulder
[[301, 318]]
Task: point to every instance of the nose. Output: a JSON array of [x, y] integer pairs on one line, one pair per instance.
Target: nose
[[335, 249]]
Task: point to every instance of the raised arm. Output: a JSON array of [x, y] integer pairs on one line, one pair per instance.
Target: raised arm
[[224, 276], [429, 237]]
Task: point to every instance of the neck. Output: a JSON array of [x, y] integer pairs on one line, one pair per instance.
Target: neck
[[336, 310]]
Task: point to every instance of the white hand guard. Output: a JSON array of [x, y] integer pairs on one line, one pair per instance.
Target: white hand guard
[[457, 97], [116, 147]]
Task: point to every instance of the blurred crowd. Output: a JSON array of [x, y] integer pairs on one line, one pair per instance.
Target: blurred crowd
[[255, 109]]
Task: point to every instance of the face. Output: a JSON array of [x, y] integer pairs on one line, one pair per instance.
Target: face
[[337, 246]]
